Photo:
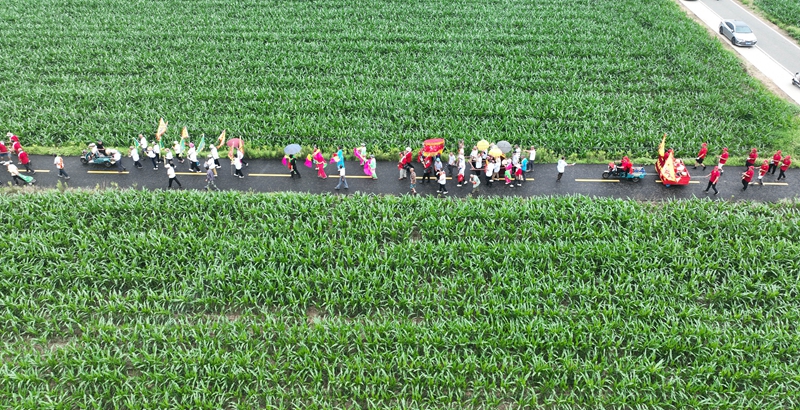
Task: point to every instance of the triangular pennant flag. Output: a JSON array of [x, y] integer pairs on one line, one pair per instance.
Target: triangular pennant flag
[[162, 128], [184, 137], [201, 145], [221, 139]]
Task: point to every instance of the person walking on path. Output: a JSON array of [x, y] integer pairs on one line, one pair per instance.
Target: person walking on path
[[215, 155], [134, 154], [342, 179], [713, 178], [157, 151], [519, 174], [451, 165], [24, 160], [210, 177], [191, 155], [172, 176], [59, 163], [405, 163], [723, 158], [152, 155], [462, 169], [747, 176], [476, 182], [240, 155], [176, 149], [237, 163], [762, 171], [489, 171], [143, 144], [437, 166], [427, 169], [340, 155], [16, 146], [478, 165], [775, 163], [168, 157], [373, 166], [413, 180], [442, 183], [319, 162], [787, 161], [561, 167], [293, 167], [116, 158], [508, 177], [701, 156], [751, 158], [4, 156]]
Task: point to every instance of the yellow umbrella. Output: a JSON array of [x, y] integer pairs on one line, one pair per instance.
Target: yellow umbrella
[[496, 152], [482, 145]]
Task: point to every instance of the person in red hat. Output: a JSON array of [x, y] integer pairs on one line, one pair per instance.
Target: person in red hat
[[713, 178], [723, 158], [24, 160], [747, 176], [751, 158], [701, 156], [787, 161], [15, 145], [762, 171], [775, 163]]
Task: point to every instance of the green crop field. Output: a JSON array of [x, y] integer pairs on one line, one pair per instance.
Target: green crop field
[[152, 299], [573, 77], [785, 13]]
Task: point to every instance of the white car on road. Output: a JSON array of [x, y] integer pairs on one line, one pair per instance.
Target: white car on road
[[738, 32]]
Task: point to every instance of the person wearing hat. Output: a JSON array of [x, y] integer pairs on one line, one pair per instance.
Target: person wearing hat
[[24, 160], [713, 178], [176, 148], [143, 144], [4, 156], [152, 155], [15, 145], [747, 176], [776, 160], [215, 155], [373, 166], [171, 175]]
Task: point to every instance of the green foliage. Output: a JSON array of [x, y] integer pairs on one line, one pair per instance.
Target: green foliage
[[606, 75], [143, 299], [785, 13]]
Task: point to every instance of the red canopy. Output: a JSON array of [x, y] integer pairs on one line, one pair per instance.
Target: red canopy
[[433, 147]]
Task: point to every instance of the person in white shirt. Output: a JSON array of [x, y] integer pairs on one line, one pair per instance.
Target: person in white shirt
[[561, 166], [152, 156], [116, 157], [194, 164], [342, 179], [172, 176], [143, 144], [462, 168], [476, 182], [489, 172], [211, 165], [168, 157], [478, 164], [176, 148], [442, 183], [215, 156], [531, 157], [134, 154], [451, 165], [237, 163], [14, 171], [157, 151], [59, 163]]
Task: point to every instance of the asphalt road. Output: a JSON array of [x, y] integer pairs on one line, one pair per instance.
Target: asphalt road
[[272, 176], [783, 50]]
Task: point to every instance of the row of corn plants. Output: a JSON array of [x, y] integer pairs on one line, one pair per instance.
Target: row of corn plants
[[152, 299], [606, 76], [784, 13]]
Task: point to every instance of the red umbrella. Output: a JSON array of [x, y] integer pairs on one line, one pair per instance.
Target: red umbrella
[[235, 142]]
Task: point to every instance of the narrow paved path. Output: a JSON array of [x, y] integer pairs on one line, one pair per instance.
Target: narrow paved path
[[272, 176]]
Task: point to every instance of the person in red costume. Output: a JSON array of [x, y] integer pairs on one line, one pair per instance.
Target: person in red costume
[[405, 163], [723, 158], [701, 156], [24, 160], [762, 170], [751, 158], [787, 161], [775, 163], [747, 176], [713, 178]]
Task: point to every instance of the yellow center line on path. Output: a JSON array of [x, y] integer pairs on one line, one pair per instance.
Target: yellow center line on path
[[596, 180], [776, 183], [658, 181], [107, 172], [41, 170]]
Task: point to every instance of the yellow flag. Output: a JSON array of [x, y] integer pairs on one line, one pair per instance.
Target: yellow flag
[[668, 170], [221, 139], [661, 146], [184, 133], [162, 128]]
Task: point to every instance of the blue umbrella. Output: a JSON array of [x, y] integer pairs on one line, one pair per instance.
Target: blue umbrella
[[292, 149]]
